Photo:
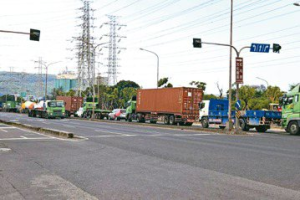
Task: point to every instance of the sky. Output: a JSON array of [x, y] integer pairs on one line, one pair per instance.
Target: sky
[[166, 27]]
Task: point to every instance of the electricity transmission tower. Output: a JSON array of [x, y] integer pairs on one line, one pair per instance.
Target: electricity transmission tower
[[113, 48], [85, 56]]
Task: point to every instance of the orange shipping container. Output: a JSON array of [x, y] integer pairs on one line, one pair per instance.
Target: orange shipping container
[[72, 104], [178, 101]]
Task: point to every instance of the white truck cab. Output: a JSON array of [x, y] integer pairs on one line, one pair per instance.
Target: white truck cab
[[203, 112]]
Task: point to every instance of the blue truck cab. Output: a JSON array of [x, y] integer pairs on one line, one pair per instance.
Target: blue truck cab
[[214, 111]]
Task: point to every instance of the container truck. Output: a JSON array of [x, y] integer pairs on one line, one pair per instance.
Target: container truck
[[72, 104], [215, 111], [48, 109], [290, 105], [173, 105], [99, 113]]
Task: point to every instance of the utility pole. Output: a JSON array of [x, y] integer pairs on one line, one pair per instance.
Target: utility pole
[[230, 125]]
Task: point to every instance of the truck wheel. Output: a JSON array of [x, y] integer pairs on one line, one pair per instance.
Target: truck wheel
[[153, 121], [172, 120], [261, 129], [141, 119], [243, 125], [204, 122], [293, 128], [222, 127], [129, 117], [188, 123], [166, 120]]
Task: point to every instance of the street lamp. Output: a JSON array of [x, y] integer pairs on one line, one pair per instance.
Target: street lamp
[[157, 63], [93, 79], [264, 81], [46, 66]]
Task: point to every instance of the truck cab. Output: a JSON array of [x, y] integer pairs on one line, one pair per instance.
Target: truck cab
[[130, 109], [290, 104], [214, 111]]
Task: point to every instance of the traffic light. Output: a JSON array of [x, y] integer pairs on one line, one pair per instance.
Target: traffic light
[[276, 48], [197, 43], [35, 34]]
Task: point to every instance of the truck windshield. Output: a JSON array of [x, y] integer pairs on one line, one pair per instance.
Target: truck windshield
[[56, 104]]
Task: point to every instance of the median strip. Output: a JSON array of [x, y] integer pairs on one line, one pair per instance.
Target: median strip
[[53, 132]]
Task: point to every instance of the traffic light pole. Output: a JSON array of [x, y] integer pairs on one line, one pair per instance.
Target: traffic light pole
[[238, 53]]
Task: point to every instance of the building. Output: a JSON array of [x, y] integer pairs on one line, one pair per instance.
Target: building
[[66, 80]]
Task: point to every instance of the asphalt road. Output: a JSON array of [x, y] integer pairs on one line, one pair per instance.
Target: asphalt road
[[120, 161]]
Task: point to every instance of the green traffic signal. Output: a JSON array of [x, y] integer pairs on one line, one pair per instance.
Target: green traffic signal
[[35, 34], [197, 43], [276, 48]]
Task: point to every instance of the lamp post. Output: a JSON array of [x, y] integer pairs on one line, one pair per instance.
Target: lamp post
[[157, 63], [263, 80], [93, 79], [46, 66]]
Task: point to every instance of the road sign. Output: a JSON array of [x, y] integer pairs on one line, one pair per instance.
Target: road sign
[[238, 105], [260, 48], [239, 74]]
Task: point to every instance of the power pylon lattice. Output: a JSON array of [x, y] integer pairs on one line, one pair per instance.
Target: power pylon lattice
[[113, 48]]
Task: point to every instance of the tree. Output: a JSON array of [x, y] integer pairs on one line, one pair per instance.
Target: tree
[[163, 82], [124, 84], [273, 93], [57, 92], [220, 91], [245, 94], [198, 84], [209, 96]]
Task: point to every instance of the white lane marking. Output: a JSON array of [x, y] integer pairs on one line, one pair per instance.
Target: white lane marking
[[110, 136], [117, 133], [12, 139], [5, 149], [23, 137], [13, 120], [7, 127], [4, 130]]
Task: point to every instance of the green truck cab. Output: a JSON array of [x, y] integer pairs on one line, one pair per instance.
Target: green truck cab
[[88, 110], [10, 106], [131, 107], [48, 109], [290, 104]]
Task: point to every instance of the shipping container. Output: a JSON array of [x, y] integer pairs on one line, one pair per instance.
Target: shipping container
[[175, 105], [72, 104]]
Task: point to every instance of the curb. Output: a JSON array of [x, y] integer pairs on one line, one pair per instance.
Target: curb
[[41, 130]]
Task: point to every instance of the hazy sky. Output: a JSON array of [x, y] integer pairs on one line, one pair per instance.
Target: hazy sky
[[166, 27]]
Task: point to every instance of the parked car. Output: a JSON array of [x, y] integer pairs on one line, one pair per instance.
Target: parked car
[[117, 114]]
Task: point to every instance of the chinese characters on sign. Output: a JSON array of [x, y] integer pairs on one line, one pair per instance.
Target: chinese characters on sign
[[239, 71]]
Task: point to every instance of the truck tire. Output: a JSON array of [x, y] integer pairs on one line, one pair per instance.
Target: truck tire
[[204, 122], [172, 120], [153, 121], [293, 128], [129, 117], [261, 129], [166, 120], [141, 119], [222, 127], [243, 125]]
